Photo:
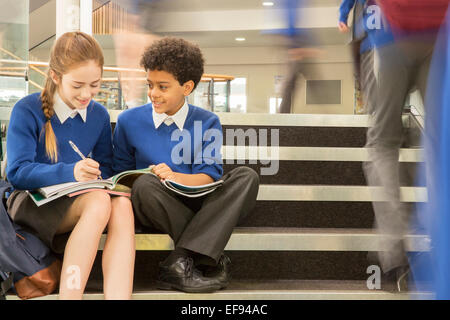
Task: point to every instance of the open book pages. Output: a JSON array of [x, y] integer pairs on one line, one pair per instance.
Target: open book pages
[[192, 191], [126, 178], [65, 188], [119, 184]]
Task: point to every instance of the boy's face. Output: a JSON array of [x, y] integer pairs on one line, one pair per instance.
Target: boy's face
[[165, 92]]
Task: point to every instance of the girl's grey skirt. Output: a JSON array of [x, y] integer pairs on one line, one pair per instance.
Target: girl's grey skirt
[[41, 221]]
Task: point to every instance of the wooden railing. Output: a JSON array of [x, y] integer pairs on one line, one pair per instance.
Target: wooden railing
[[110, 18]]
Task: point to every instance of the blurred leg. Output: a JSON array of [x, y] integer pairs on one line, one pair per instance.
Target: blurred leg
[[384, 137]]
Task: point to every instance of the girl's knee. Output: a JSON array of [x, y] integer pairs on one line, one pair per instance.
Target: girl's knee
[[121, 211], [97, 206]]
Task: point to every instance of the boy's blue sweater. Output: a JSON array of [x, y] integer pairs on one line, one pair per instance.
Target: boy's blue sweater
[[28, 166], [195, 149]]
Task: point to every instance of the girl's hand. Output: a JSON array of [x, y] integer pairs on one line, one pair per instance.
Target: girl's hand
[[86, 170], [163, 171]]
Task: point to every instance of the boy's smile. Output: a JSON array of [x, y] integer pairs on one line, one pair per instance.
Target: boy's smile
[[165, 92]]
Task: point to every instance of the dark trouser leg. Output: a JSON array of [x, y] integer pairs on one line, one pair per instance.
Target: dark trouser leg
[[210, 229], [367, 80], [356, 55], [155, 206], [206, 231]]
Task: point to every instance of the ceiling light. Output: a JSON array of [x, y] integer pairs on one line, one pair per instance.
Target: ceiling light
[[267, 3], [239, 39]]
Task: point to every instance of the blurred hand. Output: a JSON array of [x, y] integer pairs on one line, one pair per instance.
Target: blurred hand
[[343, 27], [86, 170], [163, 171]]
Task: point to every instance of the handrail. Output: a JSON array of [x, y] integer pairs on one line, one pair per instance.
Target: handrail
[[35, 84], [19, 59], [103, 4], [19, 74], [43, 41], [11, 74], [205, 76]]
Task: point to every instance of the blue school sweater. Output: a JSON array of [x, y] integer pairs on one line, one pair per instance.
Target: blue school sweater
[[28, 166], [375, 37], [193, 150]]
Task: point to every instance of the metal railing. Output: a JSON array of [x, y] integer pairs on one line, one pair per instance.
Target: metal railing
[[21, 68]]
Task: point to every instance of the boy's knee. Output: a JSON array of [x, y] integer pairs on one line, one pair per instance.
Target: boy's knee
[[144, 183], [248, 174], [146, 190]]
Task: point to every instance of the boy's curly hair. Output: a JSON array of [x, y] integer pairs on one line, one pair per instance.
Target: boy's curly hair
[[182, 59]]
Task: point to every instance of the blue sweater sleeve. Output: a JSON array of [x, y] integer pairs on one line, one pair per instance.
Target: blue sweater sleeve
[[209, 160], [344, 10], [102, 151], [22, 140], [123, 154]]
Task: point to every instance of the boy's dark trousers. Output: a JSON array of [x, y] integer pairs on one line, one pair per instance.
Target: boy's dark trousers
[[203, 225]]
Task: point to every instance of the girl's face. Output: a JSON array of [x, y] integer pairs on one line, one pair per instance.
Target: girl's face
[[78, 86]]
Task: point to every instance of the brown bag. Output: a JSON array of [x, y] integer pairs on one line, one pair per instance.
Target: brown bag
[[41, 283]]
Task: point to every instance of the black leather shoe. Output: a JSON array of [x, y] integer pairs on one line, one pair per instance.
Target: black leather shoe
[[182, 275], [221, 272]]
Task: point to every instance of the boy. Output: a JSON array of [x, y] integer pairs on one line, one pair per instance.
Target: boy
[[151, 135]]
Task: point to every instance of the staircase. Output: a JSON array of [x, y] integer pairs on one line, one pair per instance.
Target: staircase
[[311, 231]]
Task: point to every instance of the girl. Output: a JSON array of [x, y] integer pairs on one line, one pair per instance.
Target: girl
[[39, 154]]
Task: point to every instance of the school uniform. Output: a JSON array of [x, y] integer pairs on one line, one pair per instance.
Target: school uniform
[[400, 65], [188, 142], [28, 166]]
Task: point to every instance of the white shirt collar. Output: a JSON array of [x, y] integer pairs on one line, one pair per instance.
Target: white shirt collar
[[63, 111], [179, 118]]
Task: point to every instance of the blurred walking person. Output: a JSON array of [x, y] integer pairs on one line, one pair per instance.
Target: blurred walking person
[[401, 65]]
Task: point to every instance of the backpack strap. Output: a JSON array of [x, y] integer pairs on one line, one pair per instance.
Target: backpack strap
[[6, 283], [4, 187], [6, 279]]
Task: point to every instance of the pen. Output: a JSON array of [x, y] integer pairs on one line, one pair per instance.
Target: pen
[[75, 148]]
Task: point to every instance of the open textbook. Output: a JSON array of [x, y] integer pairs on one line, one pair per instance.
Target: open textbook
[[120, 184]]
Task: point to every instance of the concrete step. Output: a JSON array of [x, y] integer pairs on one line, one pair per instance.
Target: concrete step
[[268, 290], [294, 130], [315, 165], [291, 239], [310, 214], [278, 192], [323, 172], [236, 152]]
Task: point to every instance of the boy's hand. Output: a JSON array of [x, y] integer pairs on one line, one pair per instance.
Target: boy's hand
[[86, 170], [163, 171]]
